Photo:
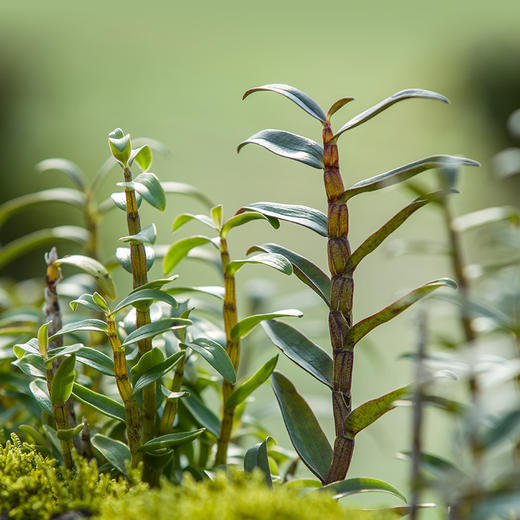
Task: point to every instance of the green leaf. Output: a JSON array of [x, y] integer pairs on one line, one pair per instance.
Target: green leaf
[[302, 215], [67, 167], [310, 274], [142, 156], [300, 349], [144, 296], [216, 216], [80, 326], [63, 379], [39, 390], [297, 96], [216, 291], [94, 268], [352, 486], [387, 103], [123, 256], [215, 355], [31, 347], [42, 237], [86, 300], [245, 326], [287, 144], [305, 432], [147, 361], [147, 235], [99, 402], [374, 240], [188, 217], [171, 440], [362, 328], [148, 185], [156, 284], [96, 360], [403, 173], [64, 195], [31, 365], [485, 217], [43, 338], [116, 452], [504, 427], [245, 389], [156, 372], [180, 249], [274, 260], [365, 414], [435, 465], [181, 188], [119, 199], [243, 218], [256, 457], [60, 352], [153, 329], [202, 414], [120, 146], [340, 103], [68, 433]]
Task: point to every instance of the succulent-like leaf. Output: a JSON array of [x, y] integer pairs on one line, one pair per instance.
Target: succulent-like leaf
[[256, 457], [300, 349], [485, 217], [243, 390], [247, 325], [287, 144], [116, 452], [362, 328], [202, 414], [124, 258], [58, 353], [65, 166], [352, 486], [297, 96], [68, 434], [170, 440], [40, 392], [181, 188], [80, 326], [99, 402], [309, 273], [403, 173], [146, 296], [304, 430], [63, 379], [31, 365], [120, 146], [215, 355], [302, 215], [142, 156], [243, 218], [387, 103], [156, 372], [148, 185], [153, 329], [118, 199], [274, 260], [147, 235], [180, 249], [184, 218], [43, 340]]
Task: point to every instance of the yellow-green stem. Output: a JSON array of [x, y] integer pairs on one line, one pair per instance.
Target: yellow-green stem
[[62, 423], [172, 405]]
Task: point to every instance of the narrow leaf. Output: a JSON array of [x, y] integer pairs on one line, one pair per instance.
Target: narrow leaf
[[146, 296], [142, 156], [505, 427], [157, 371], [171, 440], [180, 249], [153, 329], [124, 258], [274, 260], [485, 217], [96, 360], [245, 326], [202, 414], [67, 167], [287, 144], [80, 326], [156, 284], [116, 452], [181, 188], [99, 402], [147, 235], [216, 291], [352, 486], [256, 457], [148, 185], [40, 392], [215, 355], [244, 218], [119, 200], [63, 379], [31, 365], [184, 218], [305, 432], [67, 434], [340, 103], [435, 465]]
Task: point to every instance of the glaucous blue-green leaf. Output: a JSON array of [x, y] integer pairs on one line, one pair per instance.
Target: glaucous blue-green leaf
[[124, 258], [142, 156], [202, 414], [31, 347], [147, 361], [300, 349], [40, 392], [484, 217], [60, 352], [215, 355], [184, 218], [116, 452], [156, 284], [42, 237], [81, 326], [181, 188], [244, 218], [287, 144], [120, 146], [365, 414], [71, 170], [304, 430], [244, 389], [68, 196], [340, 103], [119, 200], [309, 273], [67, 434], [157, 371], [435, 465], [302, 215], [274, 260], [96, 269], [362, 328], [180, 249], [377, 238], [85, 300], [297, 96], [146, 296], [256, 457], [171, 440], [387, 103], [63, 379], [153, 329], [247, 325], [216, 291], [505, 427], [403, 173], [148, 235], [148, 185], [352, 486], [31, 365], [99, 402], [96, 360]]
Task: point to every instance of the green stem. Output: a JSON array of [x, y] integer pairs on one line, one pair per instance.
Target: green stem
[[62, 423], [172, 405]]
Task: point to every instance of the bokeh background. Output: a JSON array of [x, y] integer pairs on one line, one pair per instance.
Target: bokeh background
[[175, 71]]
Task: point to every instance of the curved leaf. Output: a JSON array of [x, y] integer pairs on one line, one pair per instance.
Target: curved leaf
[[287, 144], [302, 215], [505, 427], [123, 256], [300, 349], [142, 156], [274, 260], [80, 326], [435, 465], [157, 371], [153, 329], [147, 235], [387, 103], [31, 365], [245, 326], [116, 452], [403, 173], [67, 167], [181, 188], [156, 284], [117, 199], [99, 402], [180, 249], [40, 392], [215, 355], [96, 360], [340, 103], [216, 291], [63, 379], [310, 274], [87, 301], [202, 414], [148, 185], [352, 486], [305, 432], [362, 328], [187, 217], [144, 295], [170, 440], [486, 216], [256, 457], [297, 96], [243, 218]]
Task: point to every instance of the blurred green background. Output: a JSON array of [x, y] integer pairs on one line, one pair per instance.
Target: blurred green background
[[71, 72]]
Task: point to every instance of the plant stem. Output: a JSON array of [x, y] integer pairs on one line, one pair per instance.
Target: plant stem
[[172, 405], [233, 351], [62, 423], [340, 315]]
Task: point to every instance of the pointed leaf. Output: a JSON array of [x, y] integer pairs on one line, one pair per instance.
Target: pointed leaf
[[147, 361], [287, 144], [187, 217], [144, 295], [147, 235], [300, 349], [352, 486], [310, 274], [40, 392], [202, 414], [43, 340], [171, 440], [388, 102], [67, 167], [274, 260], [153, 329], [118, 199], [94, 268], [297, 96], [80, 326], [256, 457], [245, 326], [180, 249], [156, 284], [243, 218], [186, 189], [365, 414], [216, 216], [63, 379], [403, 173], [156, 372], [362, 328], [142, 156], [216, 291], [96, 360], [215, 355], [246, 388], [123, 256], [148, 185], [116, 452], [302, 215], [305, 432], [99, 402], [340, 103], [31, 365]]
